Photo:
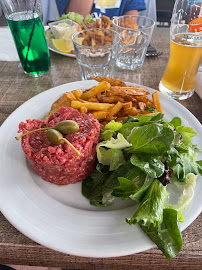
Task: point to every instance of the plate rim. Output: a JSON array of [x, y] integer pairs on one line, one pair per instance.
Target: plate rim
[[6, 215]]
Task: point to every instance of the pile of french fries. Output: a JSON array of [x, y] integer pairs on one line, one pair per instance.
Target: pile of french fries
[[96, 38], [129, 22], [104, 22], [110, 100]]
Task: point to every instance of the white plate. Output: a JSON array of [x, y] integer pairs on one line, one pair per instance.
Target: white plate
[[53, 49], [59, 217]]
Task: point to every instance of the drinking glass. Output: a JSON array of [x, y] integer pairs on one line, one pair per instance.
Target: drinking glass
[[179, 78], [24, 18], [136, 32], [96, 51]]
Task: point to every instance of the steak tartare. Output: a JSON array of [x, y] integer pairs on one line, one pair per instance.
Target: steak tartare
[[59, 164]]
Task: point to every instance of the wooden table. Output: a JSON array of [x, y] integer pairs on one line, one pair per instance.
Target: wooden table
[[15, 89]]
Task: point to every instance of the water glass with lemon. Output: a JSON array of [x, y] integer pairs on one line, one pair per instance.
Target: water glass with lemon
[[59, 36]]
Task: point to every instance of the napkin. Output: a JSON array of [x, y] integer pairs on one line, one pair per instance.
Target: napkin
[[8, 50]]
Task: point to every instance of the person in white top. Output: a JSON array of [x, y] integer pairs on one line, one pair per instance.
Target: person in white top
[[50, 10]]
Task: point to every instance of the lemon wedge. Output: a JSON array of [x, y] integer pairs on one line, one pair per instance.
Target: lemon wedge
[[63, 45]]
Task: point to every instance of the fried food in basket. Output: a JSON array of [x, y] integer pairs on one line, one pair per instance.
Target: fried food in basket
[[104, 22], [110, 100], [96, 38]]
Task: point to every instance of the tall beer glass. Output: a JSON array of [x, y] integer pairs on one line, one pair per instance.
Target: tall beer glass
[[179, 78], [24, 18]]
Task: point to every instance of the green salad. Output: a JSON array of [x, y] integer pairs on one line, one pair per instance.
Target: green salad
[[138, 160], [76, 17]]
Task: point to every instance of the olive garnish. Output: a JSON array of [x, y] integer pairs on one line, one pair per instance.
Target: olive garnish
[[55, 137], [54, 134], [67, 126]]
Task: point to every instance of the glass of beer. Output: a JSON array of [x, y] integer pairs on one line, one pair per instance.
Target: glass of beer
[[179, 78], [24, 18]]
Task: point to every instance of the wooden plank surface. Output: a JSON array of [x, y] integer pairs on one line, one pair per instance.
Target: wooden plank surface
[[15, 89]]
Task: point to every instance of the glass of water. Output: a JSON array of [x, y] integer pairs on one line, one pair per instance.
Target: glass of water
[[136, 32], [96, 51]]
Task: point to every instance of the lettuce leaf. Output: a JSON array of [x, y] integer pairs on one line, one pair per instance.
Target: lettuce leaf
[[72, 16], [131, 119], [187, 133], [187, 194], [76, 17], [111, 157], [119, 143], [184, 163], [128, 128], [166, 235], [148, 118], [150, 210], [109, 130], [127, 171], [89, 18], [149, 164], [153, 139], [150, 109], [134, 187], [175, 122], [100, 187], [126, 188], [92, 187], [199, 162]]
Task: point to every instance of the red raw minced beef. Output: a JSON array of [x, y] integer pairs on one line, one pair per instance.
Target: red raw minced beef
[[59, 164]]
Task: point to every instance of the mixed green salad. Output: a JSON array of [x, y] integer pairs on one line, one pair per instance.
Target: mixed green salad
[[138, 160], [76, 17]]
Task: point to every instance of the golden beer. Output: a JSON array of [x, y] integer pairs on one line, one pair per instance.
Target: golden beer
[[179, 78]]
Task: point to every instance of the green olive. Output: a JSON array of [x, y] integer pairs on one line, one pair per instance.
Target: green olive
[[67, 126], [54, 136], [64, 127]]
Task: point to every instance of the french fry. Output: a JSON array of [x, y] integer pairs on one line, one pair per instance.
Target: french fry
[[70, 96], [81, 100], [127, 98], [100, 114], [142, 105], [77, 93], [83, 109], [155, 97], [100, 97], [103, 86], [112, 81], [114, 110], [58, 102], [110, 99], [132, 111], [127, 105], [93, 42], [66, 103], [91, 105], [142, 99], [129, 90], [108, 94], [93, 99]]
